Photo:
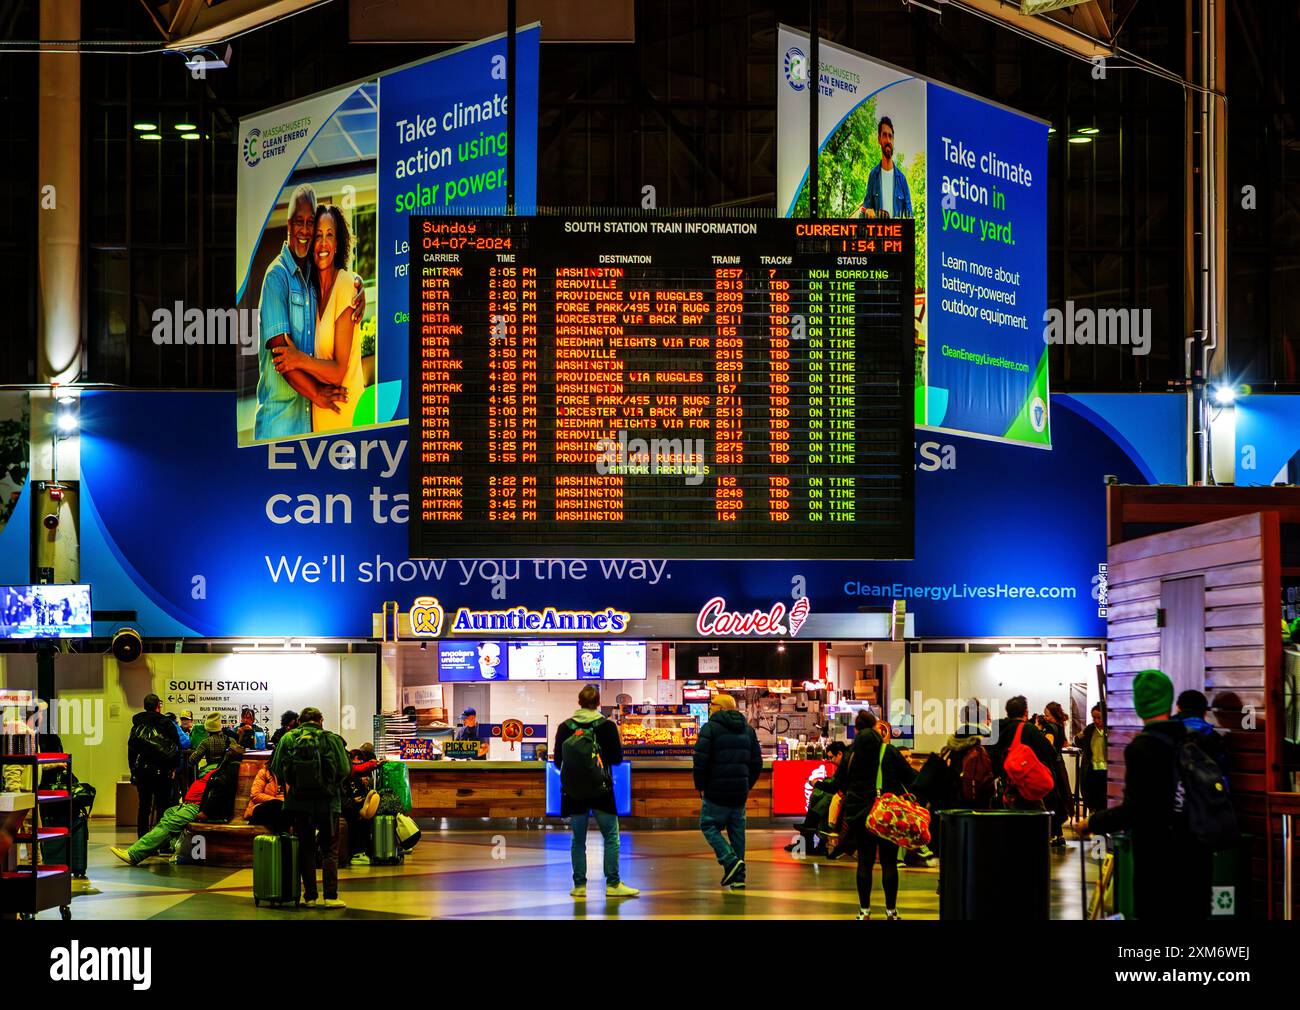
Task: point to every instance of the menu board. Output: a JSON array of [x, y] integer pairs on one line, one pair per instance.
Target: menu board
[[661, 387], [479, 662]]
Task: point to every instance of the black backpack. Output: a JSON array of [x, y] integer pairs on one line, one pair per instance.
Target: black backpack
[[218, 801], [583, 775], [310, 774], [156, 749], [1201, 796]]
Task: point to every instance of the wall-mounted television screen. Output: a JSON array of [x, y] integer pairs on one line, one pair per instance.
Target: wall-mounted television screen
[[45, 611]]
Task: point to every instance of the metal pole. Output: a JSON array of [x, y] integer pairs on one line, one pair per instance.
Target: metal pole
[[1288, 833], [814, 88], [511, 18]]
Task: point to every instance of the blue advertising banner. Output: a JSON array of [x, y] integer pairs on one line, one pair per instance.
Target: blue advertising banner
[[355, 163], [309, 538], [972, 177]]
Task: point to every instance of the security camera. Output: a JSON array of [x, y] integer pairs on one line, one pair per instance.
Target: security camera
[[50, 522]]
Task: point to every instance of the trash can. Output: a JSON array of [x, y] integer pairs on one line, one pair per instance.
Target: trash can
[[1230, 881], [995, 865]]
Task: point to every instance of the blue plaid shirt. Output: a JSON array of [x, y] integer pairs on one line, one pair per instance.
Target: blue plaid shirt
[[288, 305]]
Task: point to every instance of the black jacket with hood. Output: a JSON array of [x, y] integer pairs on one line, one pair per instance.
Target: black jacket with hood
[[1171, 870], [611, 753], [728, 760], [856, 775], [136, 758]]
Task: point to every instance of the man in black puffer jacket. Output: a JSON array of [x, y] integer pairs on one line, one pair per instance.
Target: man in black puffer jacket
[[728, 762]]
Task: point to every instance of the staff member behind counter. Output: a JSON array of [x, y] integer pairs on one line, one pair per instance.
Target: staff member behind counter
[[468, 730]]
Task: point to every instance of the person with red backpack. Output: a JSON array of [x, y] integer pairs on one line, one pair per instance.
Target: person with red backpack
[[1022, 759], [153, 752], [587, 746]]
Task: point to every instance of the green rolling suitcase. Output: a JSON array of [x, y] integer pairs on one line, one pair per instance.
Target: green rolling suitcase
[[383, 841], [275, 869]]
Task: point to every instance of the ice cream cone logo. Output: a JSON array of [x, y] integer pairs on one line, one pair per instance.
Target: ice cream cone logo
[[798, 614]]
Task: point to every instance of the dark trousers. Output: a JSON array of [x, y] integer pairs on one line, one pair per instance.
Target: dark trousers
[[154, 795], [868, 845], [318, 832], [1094, 789]]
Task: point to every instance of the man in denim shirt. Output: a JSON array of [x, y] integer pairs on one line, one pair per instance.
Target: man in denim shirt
[[887, 191], [288, 310]]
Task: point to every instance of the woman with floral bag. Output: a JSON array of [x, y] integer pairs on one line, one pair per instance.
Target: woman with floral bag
[[869, 769]]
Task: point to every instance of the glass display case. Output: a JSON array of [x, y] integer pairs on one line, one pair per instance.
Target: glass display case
[[656, 730]]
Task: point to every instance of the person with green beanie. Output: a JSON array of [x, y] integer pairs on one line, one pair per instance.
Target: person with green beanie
[[1171, 869]]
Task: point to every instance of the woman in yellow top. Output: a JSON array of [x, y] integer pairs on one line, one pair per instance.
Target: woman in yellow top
[[338, 343]]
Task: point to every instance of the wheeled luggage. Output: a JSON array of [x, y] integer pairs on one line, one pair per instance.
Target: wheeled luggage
[[384, 848], [275, 869]]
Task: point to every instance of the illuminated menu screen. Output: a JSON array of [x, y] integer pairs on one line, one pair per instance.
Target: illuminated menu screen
[[669, 388]]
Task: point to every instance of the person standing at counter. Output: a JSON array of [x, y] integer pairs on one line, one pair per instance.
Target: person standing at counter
[[728, 762], [468, 730], [587, 788]]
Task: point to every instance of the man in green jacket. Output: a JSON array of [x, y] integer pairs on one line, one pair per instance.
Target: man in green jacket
[[313, 764]]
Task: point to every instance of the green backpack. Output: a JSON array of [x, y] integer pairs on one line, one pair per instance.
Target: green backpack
[[583, 775], [311, 775]]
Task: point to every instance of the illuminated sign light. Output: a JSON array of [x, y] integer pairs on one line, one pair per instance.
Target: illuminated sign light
[[548, 621], [426, 617], [715, 620]]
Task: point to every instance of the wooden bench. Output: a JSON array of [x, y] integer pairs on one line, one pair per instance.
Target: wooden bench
[[229, 844]]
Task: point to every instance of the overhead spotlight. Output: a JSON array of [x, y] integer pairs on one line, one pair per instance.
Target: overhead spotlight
[[1089, 131], [145, 127], [1224, 396], [1080, 140]]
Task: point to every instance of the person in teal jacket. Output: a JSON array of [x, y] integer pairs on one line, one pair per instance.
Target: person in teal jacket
[[313, 764]]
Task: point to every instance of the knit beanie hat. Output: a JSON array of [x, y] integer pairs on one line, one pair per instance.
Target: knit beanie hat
[[1153, 694], [213, 723]]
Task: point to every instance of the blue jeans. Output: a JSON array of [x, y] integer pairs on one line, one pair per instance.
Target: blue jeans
[[714, 818], [608, 824]]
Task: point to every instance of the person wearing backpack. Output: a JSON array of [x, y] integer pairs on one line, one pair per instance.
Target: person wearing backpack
[[727, 764], [1192, 707], [312, 763], [169, 827], [1028, 779], [587, 746], [152, 753], [1172, 869]]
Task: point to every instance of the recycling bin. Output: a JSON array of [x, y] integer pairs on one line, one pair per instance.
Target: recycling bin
[[995, 865]]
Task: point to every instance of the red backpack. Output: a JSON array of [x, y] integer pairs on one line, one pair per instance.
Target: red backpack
[[1030, 778]]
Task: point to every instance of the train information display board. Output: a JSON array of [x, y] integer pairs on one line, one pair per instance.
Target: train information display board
[[661, 387]]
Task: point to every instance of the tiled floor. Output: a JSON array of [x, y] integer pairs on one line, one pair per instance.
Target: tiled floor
[[525, 874]]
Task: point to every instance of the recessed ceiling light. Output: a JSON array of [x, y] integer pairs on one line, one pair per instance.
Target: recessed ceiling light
[[151, 136], [1089, 131], [146, 127], [1051, 129], [1080, 140], [189, 136], [186, 127]]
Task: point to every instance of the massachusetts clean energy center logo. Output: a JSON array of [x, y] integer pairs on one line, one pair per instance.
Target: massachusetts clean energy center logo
[[252, 152], [1038, 414], [796, 68]]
